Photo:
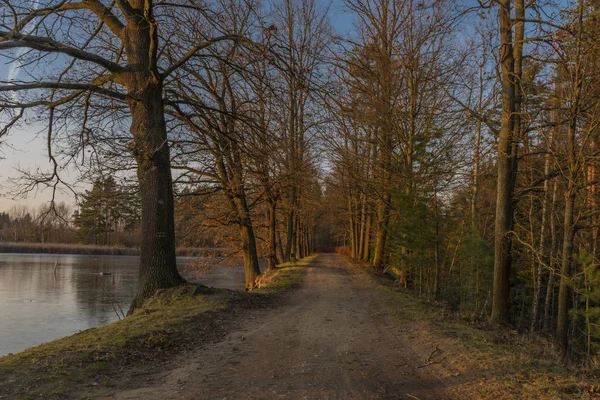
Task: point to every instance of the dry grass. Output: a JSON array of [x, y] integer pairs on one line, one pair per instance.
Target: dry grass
[[61, 248], [86, 249], [286, 276], [482, 362]]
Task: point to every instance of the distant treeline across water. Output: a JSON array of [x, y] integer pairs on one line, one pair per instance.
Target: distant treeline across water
[[60, 248]]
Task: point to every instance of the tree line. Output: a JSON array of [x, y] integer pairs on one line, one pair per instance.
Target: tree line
[[466, 158], [107, 214]]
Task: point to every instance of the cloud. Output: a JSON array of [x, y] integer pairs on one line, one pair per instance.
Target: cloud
[[13, 71]]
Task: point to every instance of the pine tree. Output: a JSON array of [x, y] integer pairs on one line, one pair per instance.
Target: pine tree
[[106, 208]]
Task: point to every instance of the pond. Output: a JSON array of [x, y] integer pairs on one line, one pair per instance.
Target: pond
[[38, 305]]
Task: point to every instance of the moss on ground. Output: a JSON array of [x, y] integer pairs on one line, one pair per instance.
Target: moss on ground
[[485, 362], [172, 321]]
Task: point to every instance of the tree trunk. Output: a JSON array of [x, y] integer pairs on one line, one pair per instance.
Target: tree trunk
[[553, 243], [543, 239], [436, 276], [280, 247], [367, 239], [352, 225], [290, 242], [297, 238], [272, 261], [248, 242], [306, 243], [505, 184], [477, 150], [384, 217], [361, 235], [158, 267], [562, 322]]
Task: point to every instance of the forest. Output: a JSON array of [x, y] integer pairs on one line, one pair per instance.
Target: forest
[[452, 145]]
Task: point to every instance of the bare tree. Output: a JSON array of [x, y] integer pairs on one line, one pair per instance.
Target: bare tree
[[116, 62]]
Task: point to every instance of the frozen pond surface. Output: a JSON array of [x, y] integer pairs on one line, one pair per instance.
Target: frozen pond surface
[[37, 305]]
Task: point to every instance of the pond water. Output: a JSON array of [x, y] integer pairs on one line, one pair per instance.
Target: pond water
[[38, 305]]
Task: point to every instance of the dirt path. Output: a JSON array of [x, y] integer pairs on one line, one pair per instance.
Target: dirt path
[[332, 339]]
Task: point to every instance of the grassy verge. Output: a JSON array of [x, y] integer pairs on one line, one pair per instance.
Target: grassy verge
[[482, 362], [286, 276], [173, 321]]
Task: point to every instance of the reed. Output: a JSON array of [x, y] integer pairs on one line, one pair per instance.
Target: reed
[[84, 249]]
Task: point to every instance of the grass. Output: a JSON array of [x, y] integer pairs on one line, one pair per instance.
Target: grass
[[171, 322], [483, 362], [285, 277], [63, 248], [87, 249]]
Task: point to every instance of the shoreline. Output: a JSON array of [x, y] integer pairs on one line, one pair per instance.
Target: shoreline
[[93, 250], [171, 323]]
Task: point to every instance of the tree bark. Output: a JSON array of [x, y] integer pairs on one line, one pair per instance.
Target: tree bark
[[158, 267], [384, 217], [272, 261], [290, 242], [562, 321], [280, 247], [550, 283], [543, 239], [505, 184], [367, 238], [248, 242]]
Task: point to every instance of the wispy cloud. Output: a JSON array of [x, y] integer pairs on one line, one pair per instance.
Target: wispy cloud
[[15, 66]]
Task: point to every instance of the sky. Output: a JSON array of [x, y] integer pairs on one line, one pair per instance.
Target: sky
[[24, 149]]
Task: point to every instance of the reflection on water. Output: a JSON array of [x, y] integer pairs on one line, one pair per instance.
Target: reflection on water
[[38, 305]]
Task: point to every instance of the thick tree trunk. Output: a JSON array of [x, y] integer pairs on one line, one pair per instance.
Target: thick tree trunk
[[248, 242], [505, 184], [158, 267], [251, 267]]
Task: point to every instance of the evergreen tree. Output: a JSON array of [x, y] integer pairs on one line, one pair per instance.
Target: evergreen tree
[[105, 209]]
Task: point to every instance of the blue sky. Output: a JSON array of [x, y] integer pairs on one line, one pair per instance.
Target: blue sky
[[22, 149]]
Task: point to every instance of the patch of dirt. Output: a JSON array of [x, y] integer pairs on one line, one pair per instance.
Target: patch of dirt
[[330, 339]]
